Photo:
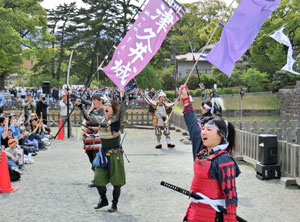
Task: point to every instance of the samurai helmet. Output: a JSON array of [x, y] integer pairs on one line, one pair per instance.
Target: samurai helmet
[[161, 93]]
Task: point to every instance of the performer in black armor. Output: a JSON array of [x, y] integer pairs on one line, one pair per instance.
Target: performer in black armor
[[110, 167], [91, 137]]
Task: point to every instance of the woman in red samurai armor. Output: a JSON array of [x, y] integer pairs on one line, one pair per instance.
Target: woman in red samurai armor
[[215, 169]]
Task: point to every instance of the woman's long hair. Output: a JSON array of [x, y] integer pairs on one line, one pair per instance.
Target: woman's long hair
[[115, 106]]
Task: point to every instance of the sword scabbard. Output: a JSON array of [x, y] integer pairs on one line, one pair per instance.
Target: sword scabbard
[[195, 196]]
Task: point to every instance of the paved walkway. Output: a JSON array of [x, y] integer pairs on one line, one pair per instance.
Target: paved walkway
[[54, 188]]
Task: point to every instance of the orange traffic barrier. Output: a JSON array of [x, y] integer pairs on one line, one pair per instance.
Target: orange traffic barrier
[[61, 132], [5, 185]]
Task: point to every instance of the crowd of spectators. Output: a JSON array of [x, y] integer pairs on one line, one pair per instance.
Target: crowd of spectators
[[11, 97], [25, 133]]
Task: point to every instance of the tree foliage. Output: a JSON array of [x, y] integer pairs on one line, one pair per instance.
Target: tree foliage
[[92, 31], [195, 26], [22, 31], [148, 78], [266, 54], [253, 79]]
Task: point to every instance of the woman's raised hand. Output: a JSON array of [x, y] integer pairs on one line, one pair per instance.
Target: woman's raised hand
[[183, 91]]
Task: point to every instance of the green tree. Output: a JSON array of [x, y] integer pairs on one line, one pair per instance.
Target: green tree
[[94, 31], [221, 79], [254, 79], [22, 28], [280, 79], [167, 81], [266, 54], [195, 26], [193, 82], [59, 20], [148, 78], [207, 80]]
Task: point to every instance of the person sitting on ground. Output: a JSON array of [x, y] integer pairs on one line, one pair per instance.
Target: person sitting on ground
[[3, 129], [4, 141], [12, 155], [14, 126], [39, 130], [29, 138]]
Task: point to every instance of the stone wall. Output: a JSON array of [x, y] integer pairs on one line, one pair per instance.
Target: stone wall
[[290, 100]]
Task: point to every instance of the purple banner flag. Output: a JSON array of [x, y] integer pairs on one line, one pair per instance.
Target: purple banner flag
[[143, 40], [239, 33]]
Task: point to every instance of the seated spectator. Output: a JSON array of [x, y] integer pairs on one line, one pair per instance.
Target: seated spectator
[[29, 138], [14, 126], [12, 155], [3, 129], [4, 141], [37, 128]]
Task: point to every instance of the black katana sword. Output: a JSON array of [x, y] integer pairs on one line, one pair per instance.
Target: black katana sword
[[195, 196]]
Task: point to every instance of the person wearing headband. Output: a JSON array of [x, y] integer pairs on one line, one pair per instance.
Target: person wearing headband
[[215, 171], [208, 108], [161, 110], [211, 107], [91, 138], [111, 162]]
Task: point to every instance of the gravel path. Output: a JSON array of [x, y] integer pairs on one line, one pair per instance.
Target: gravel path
[[54, 188]]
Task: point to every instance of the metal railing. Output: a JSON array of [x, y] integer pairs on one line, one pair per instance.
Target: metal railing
[[247, 143]]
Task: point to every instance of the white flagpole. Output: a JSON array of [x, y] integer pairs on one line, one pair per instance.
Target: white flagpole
[[69, 67]]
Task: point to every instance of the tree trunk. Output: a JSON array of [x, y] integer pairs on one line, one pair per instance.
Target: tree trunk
[[53, 64], [2, 82]]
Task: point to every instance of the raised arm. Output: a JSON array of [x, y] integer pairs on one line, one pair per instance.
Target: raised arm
[[148, 99], [96, 119], [190, 118], [189, 114]]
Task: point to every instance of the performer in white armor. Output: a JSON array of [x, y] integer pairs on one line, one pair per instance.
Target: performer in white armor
[[161, 109]]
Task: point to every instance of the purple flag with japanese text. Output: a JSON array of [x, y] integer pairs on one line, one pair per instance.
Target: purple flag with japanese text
[[143, 40], [239, 33]]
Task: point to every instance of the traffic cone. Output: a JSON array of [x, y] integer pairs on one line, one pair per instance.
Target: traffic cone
[[5, 185], [61, 132]]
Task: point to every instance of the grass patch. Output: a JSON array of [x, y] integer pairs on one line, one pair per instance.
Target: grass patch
[[252, 102], [266, 101], [178, 109]]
